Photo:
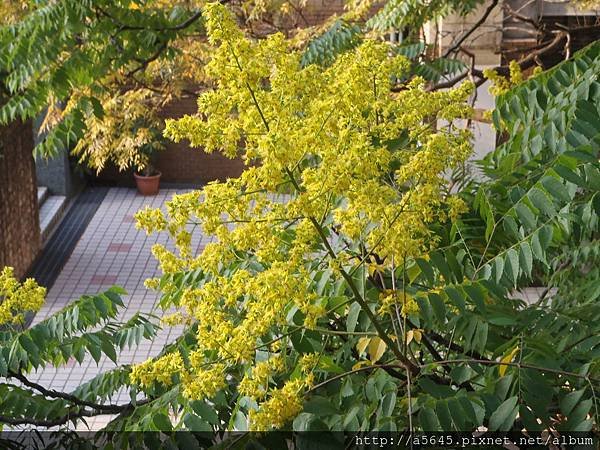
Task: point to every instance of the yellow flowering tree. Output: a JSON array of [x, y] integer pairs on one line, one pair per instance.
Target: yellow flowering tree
[[341, 175], [71, 61], [341, 257]]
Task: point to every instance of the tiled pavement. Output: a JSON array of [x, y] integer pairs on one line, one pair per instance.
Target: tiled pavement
[[110, 251]]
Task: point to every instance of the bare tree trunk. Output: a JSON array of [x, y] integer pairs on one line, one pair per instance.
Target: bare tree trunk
[[19, 218]]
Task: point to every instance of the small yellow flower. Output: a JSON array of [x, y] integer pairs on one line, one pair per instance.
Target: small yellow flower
[[409, 305], [204, 383], [17, 298], [152, 283], [256, 383]]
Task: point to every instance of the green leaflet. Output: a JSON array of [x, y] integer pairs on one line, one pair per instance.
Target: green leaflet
[[323, 50]]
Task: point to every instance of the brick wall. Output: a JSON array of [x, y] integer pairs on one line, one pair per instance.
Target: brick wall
[[178, 162], [317, 11], [19, 222]]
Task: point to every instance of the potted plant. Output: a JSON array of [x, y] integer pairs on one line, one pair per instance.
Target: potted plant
[[124, 129], [147, 178]]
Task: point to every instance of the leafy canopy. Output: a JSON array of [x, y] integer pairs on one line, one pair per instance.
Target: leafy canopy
[[71, 60], [348, 284], [337, 286]]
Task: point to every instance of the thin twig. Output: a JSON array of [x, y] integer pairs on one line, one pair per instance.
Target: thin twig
[[69, 397], [512, 364], [476, 25], [351, 372]]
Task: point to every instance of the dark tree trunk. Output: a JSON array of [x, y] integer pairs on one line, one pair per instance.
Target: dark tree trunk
[[19, 218]]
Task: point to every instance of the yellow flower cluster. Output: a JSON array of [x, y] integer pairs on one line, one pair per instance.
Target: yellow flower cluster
[[200, 383], [16, 298], [500, 84], [262, 298], [283, 405], [152, 283], [169, 262], [391, 299], [409, 305], [388, 300], [176, 318], [161, 370], [255, 384], [151, 220], [334, 160], [456, 207], [308, 362]]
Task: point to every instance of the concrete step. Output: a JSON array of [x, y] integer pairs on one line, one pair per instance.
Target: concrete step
[[51, 212], [42, 195]]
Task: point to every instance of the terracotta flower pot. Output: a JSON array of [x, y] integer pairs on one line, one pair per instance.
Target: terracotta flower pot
[[147, 185]]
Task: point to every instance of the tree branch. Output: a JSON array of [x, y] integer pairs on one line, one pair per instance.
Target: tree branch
[[71, 398], [408, 364], [144, 63], [512, 364], [124, 27], [452, 82], [520, 17], [49, 422], [351, 372], [476, 25], [525, 63], [435, 337]]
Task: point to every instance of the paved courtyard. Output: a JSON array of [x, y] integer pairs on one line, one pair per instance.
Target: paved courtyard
[[110, 252]]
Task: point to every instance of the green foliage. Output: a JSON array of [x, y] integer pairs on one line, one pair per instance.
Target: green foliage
[[481, 356], [536, 224], [432, 70], [68, 47], [439, 68], [85, 328], [413, 14], [547, 166], [340, 37]]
